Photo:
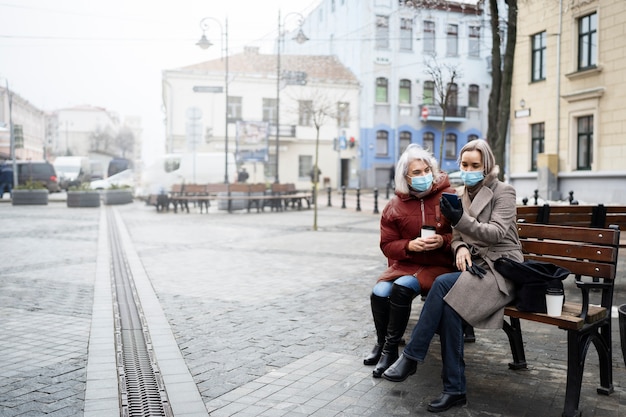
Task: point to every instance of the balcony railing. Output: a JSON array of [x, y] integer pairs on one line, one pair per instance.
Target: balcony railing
[[453, 113]]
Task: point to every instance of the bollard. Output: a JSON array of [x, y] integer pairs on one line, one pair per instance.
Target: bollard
[[536, 196], [343, 196], [358, 199], [375, 200], [571, 197], [525, 201], [329, 193]]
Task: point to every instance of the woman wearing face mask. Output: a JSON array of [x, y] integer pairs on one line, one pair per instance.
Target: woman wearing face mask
[[414, 261], [484, 229]]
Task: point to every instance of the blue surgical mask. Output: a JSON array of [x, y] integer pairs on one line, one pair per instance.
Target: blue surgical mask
[[422, 182], [471, 178]]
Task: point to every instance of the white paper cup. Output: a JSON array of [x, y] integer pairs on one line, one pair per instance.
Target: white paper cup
[[428, 231], [554, 302]]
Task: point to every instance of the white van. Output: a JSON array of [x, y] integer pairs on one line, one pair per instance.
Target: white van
[[72, 171], [189, 168]]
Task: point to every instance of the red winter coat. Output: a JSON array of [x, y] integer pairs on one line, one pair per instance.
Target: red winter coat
[[401, 221]]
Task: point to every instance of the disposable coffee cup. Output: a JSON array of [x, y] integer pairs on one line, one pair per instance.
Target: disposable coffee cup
[[428, 231], [554, 301]]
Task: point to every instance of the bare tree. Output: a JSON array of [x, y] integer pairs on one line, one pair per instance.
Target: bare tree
[[101, 140], [502, 79], [125, 141], [443, 76]]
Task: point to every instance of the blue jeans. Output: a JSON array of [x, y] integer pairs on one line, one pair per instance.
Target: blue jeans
[[437, 316], [383, 288]]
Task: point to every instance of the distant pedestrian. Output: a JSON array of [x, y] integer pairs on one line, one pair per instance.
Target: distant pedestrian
[[315, 179], [243, 175]]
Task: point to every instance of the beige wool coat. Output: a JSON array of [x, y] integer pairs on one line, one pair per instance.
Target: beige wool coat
[[488, 228]]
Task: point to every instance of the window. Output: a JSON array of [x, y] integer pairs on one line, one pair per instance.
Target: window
[[269, 110], [452, 40], [404, 96], [450, 146], [382, 32], [406, 34], [343, 114], [537, 132], [382, 143], [305, 112], [587, 41], [381, 90], [474, 41], [473, 100], [453, 96], [428, 141], [472, 137], [405, 141], [429, 92], [539, 57], [234, 108], [429, 37], [585, 142], [305, 166]]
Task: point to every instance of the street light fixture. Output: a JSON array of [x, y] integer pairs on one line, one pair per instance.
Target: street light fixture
[[299, 38], [205, 43]]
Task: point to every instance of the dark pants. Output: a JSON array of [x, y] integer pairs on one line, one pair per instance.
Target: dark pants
[[437, 316]]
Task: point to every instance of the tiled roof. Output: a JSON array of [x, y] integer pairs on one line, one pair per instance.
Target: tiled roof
[[251, 62]]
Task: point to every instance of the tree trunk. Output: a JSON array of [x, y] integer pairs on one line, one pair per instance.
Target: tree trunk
[[496, 74]]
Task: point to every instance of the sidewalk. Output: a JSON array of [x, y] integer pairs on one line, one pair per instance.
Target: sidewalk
[[271, 318]]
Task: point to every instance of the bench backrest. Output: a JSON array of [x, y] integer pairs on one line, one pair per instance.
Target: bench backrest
[[258, 188], [194, 189], [214, 188], [239, 188], [177, 189], [589, 253], [574, 215]]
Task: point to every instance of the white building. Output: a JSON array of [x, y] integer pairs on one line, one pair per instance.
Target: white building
[[390, 45], [310, 86], [28, 120]]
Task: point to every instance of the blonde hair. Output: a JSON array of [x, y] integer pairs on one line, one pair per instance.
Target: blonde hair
[[414, 152]]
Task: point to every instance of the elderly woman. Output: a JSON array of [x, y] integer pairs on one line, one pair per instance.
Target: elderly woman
[[484, 230], [414, 260]]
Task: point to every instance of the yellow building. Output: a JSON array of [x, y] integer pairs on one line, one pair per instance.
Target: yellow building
[[568, 118]]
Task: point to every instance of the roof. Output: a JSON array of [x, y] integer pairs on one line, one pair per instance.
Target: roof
[[317, 67]]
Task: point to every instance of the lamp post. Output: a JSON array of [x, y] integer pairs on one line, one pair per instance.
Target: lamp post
[[204, 43], [300, 38]]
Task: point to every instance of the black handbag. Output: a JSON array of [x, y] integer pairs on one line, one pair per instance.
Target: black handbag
[[532, 279]]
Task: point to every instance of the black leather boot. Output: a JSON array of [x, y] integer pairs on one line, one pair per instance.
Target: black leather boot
[[401, 369], [399, 311], [380, 312]]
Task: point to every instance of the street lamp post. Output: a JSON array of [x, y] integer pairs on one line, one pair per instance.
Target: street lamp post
[[300, 38], [204, 43]]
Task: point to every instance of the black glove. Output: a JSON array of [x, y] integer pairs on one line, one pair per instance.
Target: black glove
[[476, 270], [451, 213]]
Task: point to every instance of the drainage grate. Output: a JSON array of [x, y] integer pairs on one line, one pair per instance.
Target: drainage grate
[[141, 387]]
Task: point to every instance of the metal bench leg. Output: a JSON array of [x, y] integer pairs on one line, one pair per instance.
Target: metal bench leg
[[577, 346], [514, 331], [603, 345]]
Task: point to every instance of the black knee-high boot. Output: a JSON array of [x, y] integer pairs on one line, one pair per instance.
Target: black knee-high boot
[[380, 312], [399, 312]]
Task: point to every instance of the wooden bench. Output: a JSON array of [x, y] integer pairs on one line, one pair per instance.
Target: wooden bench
[[591, 255], [182, 194], [574, 215]]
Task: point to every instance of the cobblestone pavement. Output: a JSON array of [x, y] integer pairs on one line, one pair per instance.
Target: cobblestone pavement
[[271, 318]]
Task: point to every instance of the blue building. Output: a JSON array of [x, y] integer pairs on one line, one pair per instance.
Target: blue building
[[409, 57]]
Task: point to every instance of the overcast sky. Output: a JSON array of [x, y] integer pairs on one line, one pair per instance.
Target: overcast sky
[[110, 53]]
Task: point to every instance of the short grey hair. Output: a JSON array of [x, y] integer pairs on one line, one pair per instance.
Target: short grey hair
[[414, 152]]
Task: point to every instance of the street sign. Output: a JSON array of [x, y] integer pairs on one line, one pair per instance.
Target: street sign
[[424, 113], [207, 89]]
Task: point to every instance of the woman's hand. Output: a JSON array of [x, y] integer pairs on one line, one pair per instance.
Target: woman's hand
[[463, 258], [423, 244]]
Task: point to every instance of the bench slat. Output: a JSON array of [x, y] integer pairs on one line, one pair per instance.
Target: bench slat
[[568, 320]]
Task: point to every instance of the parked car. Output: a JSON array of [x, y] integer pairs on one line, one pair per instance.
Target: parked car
[[125, 178], [36, 171]]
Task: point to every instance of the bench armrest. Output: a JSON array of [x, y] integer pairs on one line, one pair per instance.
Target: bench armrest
[[585, 287]]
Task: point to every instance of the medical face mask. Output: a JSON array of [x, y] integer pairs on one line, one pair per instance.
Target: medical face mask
[[422, 182], [471, 178]]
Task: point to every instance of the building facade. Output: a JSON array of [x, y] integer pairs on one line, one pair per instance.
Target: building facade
[[405, 54], [312, 92], [29, 126], [569, 100]]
